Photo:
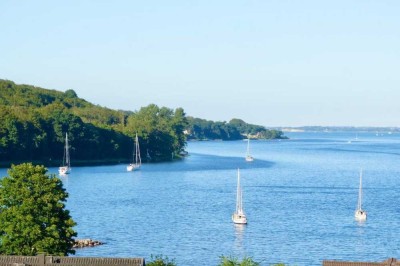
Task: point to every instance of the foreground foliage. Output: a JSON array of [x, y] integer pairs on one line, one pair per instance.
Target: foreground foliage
[[232, 261], [160, 260], [33, 217]]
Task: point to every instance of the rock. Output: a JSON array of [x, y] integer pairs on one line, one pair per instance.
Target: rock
[[81, 243]]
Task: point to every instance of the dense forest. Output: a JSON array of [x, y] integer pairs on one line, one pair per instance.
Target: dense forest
[[236, 129], [34, 122]]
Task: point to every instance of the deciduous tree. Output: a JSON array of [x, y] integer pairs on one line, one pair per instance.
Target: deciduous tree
[[33, 217]]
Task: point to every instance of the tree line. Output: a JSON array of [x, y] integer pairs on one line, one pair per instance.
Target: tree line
[[235, 129], [34, 122]]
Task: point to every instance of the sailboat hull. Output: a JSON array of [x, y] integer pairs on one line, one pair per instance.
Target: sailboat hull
[[239, 218], [249, 159], [360, 215], [64, 170], [132, 167]]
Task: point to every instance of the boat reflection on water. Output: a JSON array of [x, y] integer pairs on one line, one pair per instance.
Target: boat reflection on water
[[239, 238]]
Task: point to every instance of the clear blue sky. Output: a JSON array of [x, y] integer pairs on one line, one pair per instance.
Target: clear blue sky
[[274, 63]]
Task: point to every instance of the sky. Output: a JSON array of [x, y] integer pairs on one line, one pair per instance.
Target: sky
[[268, 62]]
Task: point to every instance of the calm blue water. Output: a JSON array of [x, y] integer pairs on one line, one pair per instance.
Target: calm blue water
[[299, 196]]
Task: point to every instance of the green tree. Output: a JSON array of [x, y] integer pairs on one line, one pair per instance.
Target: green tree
[[159, 260], [71, 94], [33, 217], [33, 123], [160, 131], [231, 261]]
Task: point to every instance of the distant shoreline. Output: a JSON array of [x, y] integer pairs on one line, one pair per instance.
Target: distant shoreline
[[49, 163], [230, 140], [389, 130]]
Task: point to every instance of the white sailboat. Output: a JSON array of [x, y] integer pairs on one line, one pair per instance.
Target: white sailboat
[[137, 161], [249, 158], [239, 217], [360, 214], [66, 164]]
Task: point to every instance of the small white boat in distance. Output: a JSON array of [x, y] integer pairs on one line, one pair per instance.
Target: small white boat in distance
[[360, 214], [249, 158], [239, 217], [65, 169], [137, 161]]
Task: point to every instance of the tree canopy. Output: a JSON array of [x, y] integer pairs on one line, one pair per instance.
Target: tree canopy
[[33, 217], [236, 129], [34, 122]]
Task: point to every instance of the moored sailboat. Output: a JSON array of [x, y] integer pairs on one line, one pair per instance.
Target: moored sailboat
[[239, 217], [66, 164], [360, 214], [137, 161], [249, 158]]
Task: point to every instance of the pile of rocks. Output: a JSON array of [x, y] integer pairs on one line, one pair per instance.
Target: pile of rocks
[[81, 243]]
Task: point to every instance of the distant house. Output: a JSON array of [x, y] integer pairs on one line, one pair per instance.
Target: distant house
[[388, 262]]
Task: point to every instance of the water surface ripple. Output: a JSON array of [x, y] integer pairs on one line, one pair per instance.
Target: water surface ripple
[[299, 195]]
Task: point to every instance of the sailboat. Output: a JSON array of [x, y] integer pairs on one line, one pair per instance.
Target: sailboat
[[238, 217], [249, 158], [360, 214], [66, 164], [137, 161]]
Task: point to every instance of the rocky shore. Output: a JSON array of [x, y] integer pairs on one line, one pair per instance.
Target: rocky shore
[[81, 243]]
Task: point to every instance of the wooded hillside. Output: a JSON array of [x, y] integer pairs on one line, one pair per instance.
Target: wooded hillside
[[34, 122], [236, 129]]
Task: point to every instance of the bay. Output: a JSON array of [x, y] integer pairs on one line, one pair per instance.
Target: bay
[[299, 195]]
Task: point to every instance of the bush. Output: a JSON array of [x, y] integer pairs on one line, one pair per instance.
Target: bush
[[160, 260], [231, 261]]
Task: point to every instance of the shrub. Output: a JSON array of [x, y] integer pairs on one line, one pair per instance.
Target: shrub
[[232, 261], [160, 260]]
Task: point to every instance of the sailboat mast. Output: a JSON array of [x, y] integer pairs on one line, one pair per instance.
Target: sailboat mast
[[238, 195], [67, 162], [136, 147], [138, 160], [360, 192], [248, 146]]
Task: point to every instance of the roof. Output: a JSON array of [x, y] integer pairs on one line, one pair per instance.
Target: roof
[[388, 262]]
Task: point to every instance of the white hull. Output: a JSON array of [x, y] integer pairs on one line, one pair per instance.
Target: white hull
[[249, 159], [132, 167], [239, 218], [64, 170], [360, 215]]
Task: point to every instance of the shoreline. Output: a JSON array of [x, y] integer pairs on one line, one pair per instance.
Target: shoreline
[[48, 163]]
